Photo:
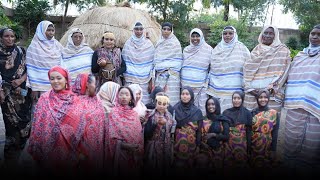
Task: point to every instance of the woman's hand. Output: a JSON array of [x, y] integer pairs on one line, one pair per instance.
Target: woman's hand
[[102, 62], [162, 121], [35, 96]]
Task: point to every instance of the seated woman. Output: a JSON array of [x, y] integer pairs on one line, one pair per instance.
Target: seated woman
[[57, 128], [215, 133], [265, 126], [238, 147], [157, 91], [158, 132], [140, 108], [93, 112], [77, 55], [107, 61], [108, 94], [124, 138]]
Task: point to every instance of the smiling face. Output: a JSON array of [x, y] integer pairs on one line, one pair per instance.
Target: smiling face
[[138, 31], [185, 96], [195, 39], [138, 96], [77, 38], [268, 36], [228, 35], [263, 99], [211, 106], [236, 100], [124, 96], [58, 81], [8, 38], [50, 32], [108, 43], [161, 106], [314, 37]]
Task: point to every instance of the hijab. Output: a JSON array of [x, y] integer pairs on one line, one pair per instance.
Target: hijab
[[140, 108], [234, 40], [187, 112], [71, 49], [261, 108], [108, 94], [80, 85], [312, 50]]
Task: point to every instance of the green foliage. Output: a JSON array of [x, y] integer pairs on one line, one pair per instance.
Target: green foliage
[[306, 14], [81, 4], [245, 35], [6, 22], [292, 42], [30, 12], [293, 52]]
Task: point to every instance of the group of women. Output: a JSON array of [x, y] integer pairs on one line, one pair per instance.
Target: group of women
[[227, 102]]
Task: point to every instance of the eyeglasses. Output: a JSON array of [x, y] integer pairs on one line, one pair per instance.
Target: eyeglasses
[[166, 29], [138, 29]]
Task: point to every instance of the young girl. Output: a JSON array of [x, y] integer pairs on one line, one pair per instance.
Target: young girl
[[158, 132]]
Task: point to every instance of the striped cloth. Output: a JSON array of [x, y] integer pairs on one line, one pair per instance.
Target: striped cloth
[[226, 71], [302, 140], [195, 68], [42, 54], [268, 66], [2, 138], [138, 53], [303, 87], [76, 59], [168, 62]]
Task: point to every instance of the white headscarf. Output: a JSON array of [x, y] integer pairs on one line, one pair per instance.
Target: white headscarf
[[108, 94], [230, 44], [276, 42], [71, 49], [140, 107]]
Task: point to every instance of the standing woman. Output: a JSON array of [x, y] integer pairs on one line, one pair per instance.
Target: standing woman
[[57, 127], [138, 53], [215, 133], [92, 144], [15, 97], [168, 62], [267, 69], [226, 69], [238, 147], [196, 62], [265, 126], [43, 53], [302, 131], [107, 61], [77, 55], [124, 140], [188, 131]]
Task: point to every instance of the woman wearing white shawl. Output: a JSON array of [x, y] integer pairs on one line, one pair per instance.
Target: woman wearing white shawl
[[140, 108], [267, 68], [196, 61], [77, 55], [168, 62], [138, 54], [226, 69], [43, 53]]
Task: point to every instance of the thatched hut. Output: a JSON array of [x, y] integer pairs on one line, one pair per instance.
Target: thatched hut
[[119, 20]]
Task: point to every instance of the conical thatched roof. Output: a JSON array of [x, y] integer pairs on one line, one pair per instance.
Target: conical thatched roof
[[119, 20]]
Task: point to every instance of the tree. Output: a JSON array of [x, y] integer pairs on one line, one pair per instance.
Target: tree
[[306, 14], [80, 4], [6, 22], [30, 18]]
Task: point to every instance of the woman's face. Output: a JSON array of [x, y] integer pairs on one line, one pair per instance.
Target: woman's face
[[314, 36], [58, 81], [211, 106], [161, 106], [50, 32], [268, 36], [108, 43], [195, 39], [166, 31], [8, 38], [138, 96], [91, 87], [263, 99], [124, 96], [185, 96], [77, 38], [236, 100], [228, 35], [138, 31]]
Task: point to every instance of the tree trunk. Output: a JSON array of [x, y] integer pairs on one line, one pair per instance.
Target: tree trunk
[[226, 11], [64, 16], [164, 10]]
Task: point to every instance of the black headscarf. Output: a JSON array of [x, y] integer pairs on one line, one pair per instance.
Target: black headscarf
[[216, 116], [261, 108], [238, 115], [152, 104], [167, 24], [187, 112]]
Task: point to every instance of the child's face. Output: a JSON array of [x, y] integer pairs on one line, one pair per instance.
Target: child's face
[[161, 106]]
